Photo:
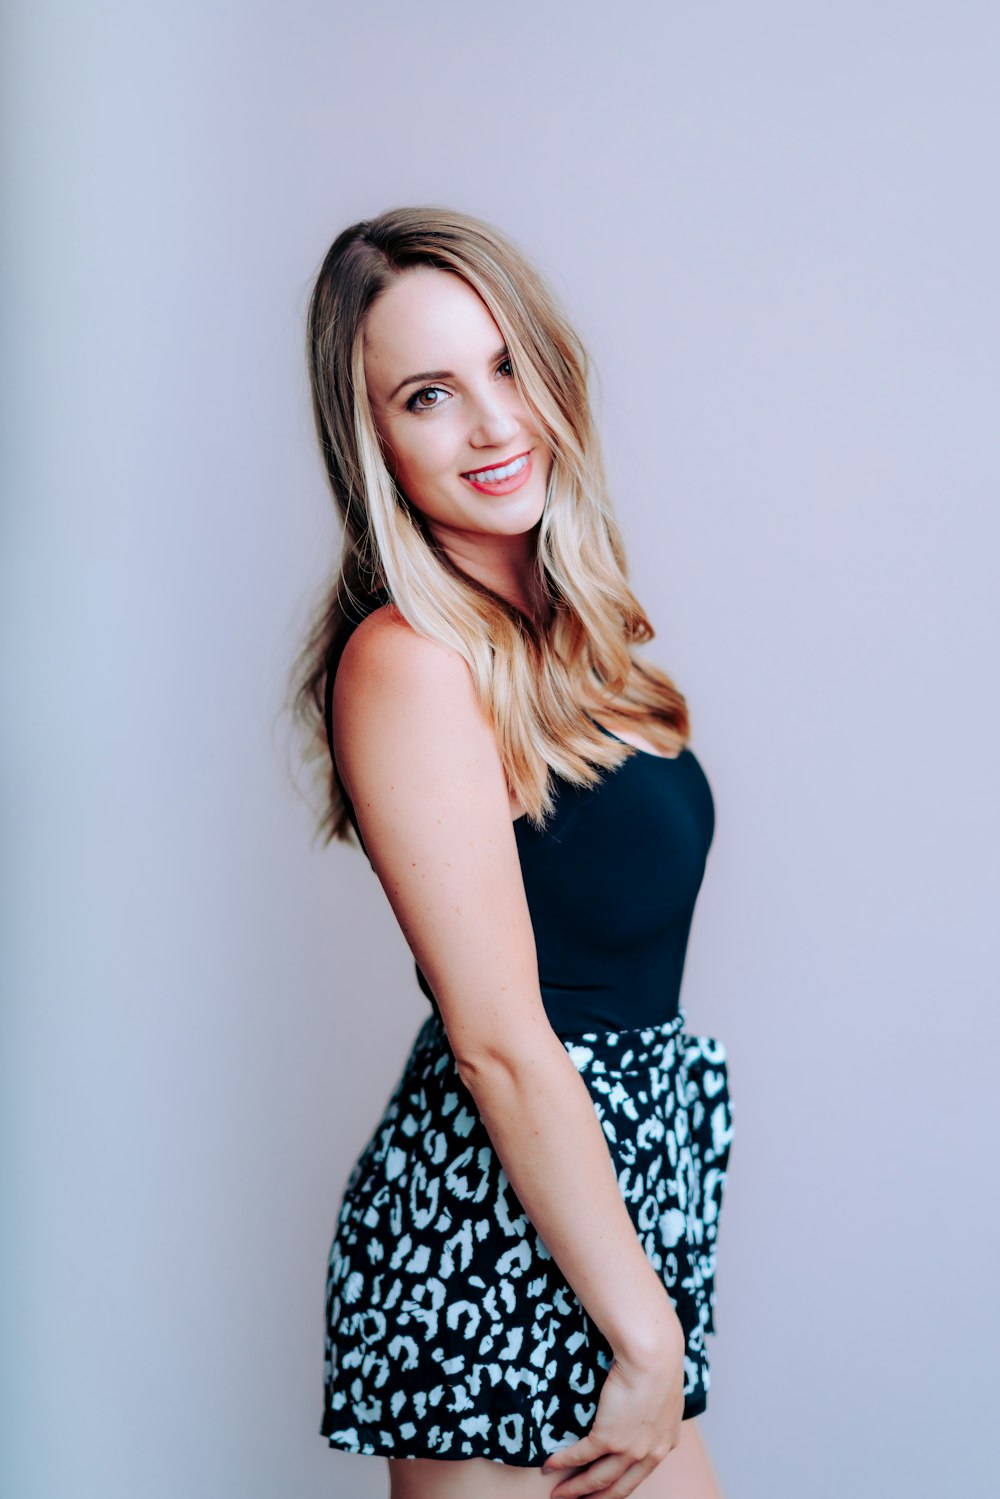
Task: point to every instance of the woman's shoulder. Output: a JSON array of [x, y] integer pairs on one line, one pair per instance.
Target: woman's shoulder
[[389, 674], [385, 643]]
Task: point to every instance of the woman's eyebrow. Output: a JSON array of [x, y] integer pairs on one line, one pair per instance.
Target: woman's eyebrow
[[441, 374]]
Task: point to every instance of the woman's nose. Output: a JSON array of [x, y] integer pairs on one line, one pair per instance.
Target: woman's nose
[[494, 422]]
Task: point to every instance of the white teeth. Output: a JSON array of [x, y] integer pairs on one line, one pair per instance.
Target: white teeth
[[494, 475]]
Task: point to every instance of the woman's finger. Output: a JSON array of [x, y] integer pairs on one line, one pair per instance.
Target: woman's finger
[[586, 1450], [595, 1479], [629, 1481]]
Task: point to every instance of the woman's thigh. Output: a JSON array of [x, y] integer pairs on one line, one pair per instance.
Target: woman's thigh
[[686, 1473]]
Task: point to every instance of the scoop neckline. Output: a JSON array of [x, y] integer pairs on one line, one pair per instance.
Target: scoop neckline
[[684, 750], [650, 754]]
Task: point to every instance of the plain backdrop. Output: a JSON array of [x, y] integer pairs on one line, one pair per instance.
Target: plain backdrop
[[776, 228]]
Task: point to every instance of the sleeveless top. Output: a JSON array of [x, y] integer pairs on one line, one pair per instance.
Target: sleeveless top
[[611, 885]]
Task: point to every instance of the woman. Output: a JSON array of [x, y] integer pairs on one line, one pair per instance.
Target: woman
[[522, 1274]]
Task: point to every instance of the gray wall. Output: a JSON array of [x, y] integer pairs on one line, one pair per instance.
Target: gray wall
[[777, 228]]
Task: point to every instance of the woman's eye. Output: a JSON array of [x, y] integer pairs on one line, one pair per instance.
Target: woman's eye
[[416, 403]]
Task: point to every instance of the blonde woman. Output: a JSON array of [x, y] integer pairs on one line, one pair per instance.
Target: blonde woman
[[521, 1279]]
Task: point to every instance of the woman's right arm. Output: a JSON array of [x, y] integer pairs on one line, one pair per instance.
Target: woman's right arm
[[419, 759]]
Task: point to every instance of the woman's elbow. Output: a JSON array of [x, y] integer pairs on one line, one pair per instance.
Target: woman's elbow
[[516, 1052]]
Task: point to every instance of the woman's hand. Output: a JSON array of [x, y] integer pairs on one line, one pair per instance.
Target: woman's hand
[[638, 1421]]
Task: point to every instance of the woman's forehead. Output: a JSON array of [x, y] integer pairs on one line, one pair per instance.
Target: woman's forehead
[[427, 319]]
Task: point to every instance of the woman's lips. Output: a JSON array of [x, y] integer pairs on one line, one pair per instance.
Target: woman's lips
[[504, 486]]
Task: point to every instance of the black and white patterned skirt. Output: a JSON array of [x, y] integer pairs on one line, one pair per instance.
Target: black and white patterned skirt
[[450, 1329]]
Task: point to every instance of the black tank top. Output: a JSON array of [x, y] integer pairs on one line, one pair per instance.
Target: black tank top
[[611, 885]]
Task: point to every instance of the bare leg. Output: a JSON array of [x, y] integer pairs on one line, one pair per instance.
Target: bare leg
[[686, 1473]]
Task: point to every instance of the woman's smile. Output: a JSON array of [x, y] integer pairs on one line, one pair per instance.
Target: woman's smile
[[503, 478]]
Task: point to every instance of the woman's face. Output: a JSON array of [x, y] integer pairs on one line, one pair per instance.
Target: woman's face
[[445, 404]]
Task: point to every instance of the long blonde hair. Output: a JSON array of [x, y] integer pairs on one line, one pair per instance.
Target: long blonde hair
[[538, 682]]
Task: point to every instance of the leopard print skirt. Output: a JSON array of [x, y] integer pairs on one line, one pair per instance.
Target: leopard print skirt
[[450, 1330]]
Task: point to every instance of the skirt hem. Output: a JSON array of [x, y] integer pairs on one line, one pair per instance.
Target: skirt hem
[[364, 1442]]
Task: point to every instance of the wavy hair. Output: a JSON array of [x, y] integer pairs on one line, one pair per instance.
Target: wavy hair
[[538, 682]]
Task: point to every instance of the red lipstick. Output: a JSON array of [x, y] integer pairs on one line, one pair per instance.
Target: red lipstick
[[503, 486]]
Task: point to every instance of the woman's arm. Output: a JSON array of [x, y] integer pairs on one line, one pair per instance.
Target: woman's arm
[[419, 760]]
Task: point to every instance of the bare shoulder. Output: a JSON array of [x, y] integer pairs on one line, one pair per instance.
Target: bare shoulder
[[394, 684], [384, 643]]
